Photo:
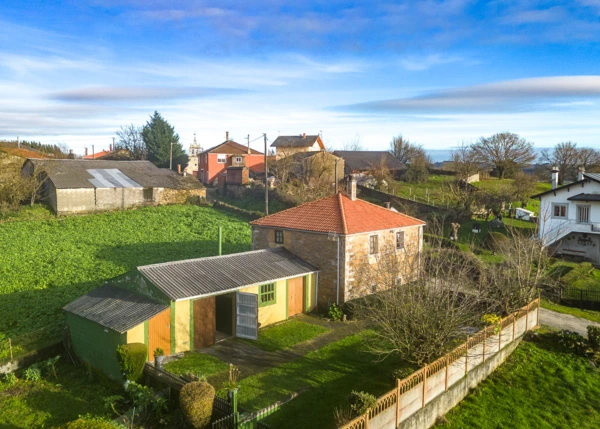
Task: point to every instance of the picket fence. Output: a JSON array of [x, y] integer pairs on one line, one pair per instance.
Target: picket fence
[[414, 392]]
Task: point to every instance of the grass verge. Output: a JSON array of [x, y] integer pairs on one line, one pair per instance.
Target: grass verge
[[196, 363], [330, 373], [53, 402], [539, 386], [285, 335]]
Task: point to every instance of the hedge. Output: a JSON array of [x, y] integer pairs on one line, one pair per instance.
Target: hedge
[[132, 358], [196, 403]]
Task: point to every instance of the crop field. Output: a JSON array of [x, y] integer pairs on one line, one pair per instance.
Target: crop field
[[45, 264]]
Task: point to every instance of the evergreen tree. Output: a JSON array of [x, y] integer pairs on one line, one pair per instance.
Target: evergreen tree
[[158, 135]]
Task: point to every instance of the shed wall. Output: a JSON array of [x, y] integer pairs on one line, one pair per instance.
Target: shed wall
[[182, 326], [136, 335], [275, 312], [95, 344]]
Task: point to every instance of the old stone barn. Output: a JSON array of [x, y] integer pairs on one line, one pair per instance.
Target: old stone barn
[[72, 185]]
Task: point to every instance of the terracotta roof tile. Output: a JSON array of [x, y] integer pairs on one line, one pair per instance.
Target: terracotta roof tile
[[340, 214]]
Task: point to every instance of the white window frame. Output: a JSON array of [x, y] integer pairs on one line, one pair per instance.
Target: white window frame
[[221, 158], [239, 159], [566, 206], [583, 208]]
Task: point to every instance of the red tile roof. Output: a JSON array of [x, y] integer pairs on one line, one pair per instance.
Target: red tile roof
[[340, 214], [98, 155], [230, 147]]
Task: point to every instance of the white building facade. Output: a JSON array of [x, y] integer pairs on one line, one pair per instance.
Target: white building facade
[[569, 217]]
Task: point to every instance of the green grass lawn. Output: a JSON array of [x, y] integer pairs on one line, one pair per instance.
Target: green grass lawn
[[330, 374], [35, 212], [492, 184], [432, 188], [593, 316], [539, 386], [578, 275], [45, 264], [53, 402], [196, 363], [285, 335], [254, 202]]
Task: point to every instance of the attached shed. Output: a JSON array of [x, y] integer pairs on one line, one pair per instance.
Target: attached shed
[[73, 185], [186, 305]]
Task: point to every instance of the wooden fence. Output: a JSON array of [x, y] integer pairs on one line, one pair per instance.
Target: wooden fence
[[414, 392]]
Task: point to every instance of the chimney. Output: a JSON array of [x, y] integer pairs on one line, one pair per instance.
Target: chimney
[[226, 136], [388, 205], [580, 172], [86, 152], [352, 187], [110, 148], [179, 168], [303, 135], [554, 177]]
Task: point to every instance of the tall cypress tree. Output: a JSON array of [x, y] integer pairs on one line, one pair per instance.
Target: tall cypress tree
[[158, 135]]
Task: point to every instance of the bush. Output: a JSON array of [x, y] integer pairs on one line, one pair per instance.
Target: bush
[[401, 373], [494, 241], [594, 337], [33, 373], [573, 342], [360, 402], [92, 422], [335, 312], [196, 403], [132, 358], [10, 379]]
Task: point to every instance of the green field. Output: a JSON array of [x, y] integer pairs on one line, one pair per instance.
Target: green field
[[431, 191], [45, 264], [492, 184], [539, 386]]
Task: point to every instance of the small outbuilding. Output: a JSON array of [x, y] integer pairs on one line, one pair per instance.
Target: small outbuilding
[[186, 305], [74, 185]]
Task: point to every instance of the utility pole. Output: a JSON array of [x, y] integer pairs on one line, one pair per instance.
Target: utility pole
[[266, 178], [171, 158], [248, 138], [93, 153], [113, 145], [18, 143]]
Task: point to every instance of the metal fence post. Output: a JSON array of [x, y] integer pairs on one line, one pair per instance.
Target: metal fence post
[[484, 341], [446, 385], [526, 318], [467, 357], [424, 384], [397, 402], [514, 323]]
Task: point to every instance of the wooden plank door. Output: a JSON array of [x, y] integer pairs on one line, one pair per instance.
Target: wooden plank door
[[159, 333], [205, 322], [295, 296]]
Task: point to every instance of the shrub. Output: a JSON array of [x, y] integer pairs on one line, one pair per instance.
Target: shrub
[[33, 373], [360, 402], [159, 352], [335, 312], [494, 241], [132, 358], [92, 422], [572, 341], [594, 337], [10, 379], [401, 373], [196, 402], [492, 320]]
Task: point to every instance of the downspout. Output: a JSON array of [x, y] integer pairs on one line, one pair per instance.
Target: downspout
[[337, 299], [317, 290]]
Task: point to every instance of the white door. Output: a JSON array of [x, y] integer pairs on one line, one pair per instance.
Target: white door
[[246, 315]]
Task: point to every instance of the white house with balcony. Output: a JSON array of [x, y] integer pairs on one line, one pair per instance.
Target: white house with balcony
[[569, 217]]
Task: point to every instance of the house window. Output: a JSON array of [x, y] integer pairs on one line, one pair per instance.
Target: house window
[[400, 240], [221, 158], [267, 295], [238, 159], [559, 210], [279, 237], [373, 245], [583, 214]]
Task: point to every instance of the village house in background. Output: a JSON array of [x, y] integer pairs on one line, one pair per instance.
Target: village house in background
[[569, 217], [215, 160], [338, 235], [194, 151], [289, 145], [72, 186], [319, 165], [364, 161], [173, 307], [102, 154]]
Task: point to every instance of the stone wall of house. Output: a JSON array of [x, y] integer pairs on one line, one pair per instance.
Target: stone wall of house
[[314, 248], [175, 196], [356, 258]]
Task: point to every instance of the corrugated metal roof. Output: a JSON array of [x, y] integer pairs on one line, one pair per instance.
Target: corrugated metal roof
[[296, 141], [207, 276], [115, 308], [75, 173], [594, 176], [363, 160], [585, 197]]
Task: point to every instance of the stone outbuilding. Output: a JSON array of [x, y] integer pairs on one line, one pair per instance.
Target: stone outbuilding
[[73, 185], [340, 235]]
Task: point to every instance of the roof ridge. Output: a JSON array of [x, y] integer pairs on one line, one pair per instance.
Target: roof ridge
[[205, 258], [342, 212], [397, 213], [291, 208]]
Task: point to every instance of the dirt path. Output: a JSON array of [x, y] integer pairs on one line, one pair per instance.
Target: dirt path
[[565, 321]]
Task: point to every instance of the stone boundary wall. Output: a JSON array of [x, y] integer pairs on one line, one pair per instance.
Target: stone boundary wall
[[419, 399]]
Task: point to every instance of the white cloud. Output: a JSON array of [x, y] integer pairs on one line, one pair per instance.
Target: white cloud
[[419, 63]]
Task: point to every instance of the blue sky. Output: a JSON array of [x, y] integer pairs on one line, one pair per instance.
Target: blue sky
[[439, 72]]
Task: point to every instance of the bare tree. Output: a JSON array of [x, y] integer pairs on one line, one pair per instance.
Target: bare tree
[[382, 174], [504, 151], [354, 144], [406, 151], [565, 156], [130, 139], [588, 158], [463, 161], [523, 187]]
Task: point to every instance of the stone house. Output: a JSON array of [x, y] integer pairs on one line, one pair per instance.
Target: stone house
[[289, 145], [340, 235], [363, 161]]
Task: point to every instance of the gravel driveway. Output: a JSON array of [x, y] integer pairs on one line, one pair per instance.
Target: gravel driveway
[[565, 321]]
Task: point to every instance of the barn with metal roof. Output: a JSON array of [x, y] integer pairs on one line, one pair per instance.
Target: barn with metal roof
[[75, 185], [186, 305]]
